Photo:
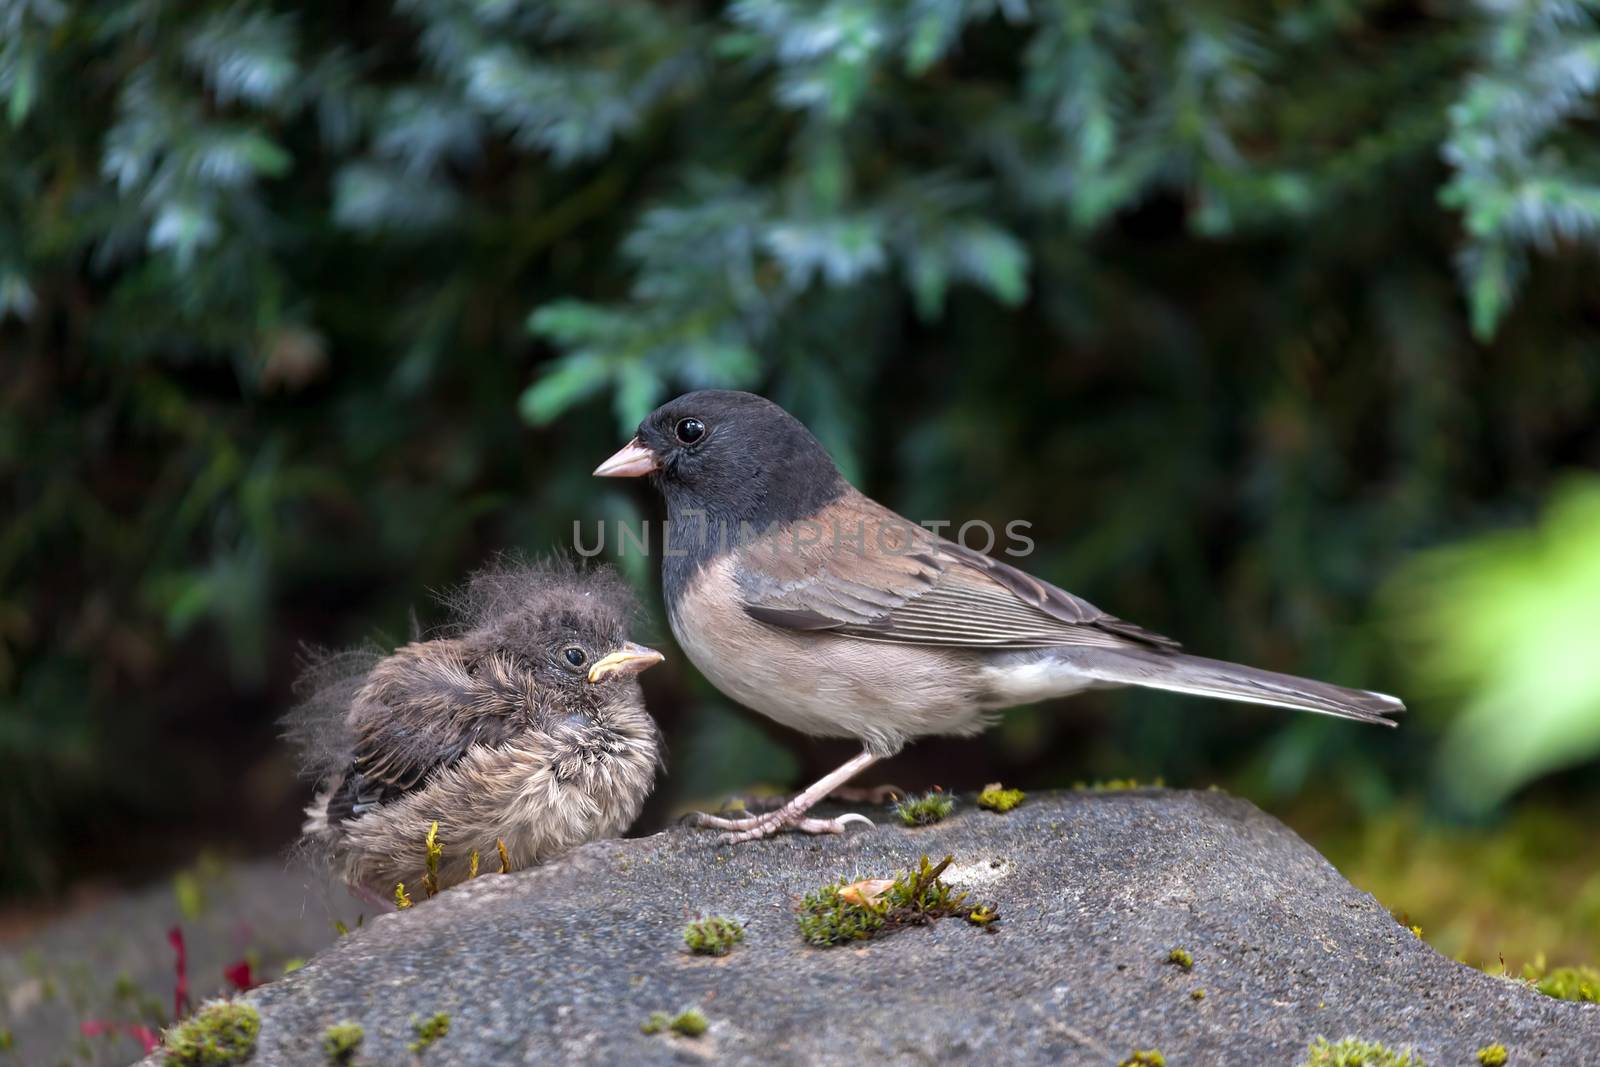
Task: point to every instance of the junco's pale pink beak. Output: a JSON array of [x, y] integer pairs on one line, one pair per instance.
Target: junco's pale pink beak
[[631, 461], [629, 659]]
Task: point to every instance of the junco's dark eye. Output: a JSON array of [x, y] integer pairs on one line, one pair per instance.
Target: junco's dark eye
[[690, 430], [575, 656]]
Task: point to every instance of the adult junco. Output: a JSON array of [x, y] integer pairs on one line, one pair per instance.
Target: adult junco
[[813, 604], [524, 724]]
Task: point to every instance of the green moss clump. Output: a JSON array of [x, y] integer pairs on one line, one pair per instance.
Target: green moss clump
[[826, 918], [428, 1030], [1197, 994], [1353, 1052], [7, 1040], [1566, 983], [983, 915], [715, 935], [340, 1041], [925, 810], [999, 800], [1117, 785], [1144, 1057], [691, 1022], [1493, 1056], [220, 1033], [1182, 957], [843, 912]]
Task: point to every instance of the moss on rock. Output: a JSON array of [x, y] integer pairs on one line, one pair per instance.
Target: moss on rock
[[219, 1034], [428, 1030], [1144, 1057], [714, 935], [340, 1041], [857, 911], [995, 799], [925, 810], [1354, 1052], [691, 1022]]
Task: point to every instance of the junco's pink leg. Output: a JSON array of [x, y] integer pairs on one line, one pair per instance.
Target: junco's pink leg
[[792, 816]]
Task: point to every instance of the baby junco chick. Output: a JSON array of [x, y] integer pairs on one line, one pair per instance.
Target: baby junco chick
[[811, 603], [524, 724]]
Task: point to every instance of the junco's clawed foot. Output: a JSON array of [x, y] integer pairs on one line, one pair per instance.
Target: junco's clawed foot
[[792, 815], [524, 727], [803, 599]]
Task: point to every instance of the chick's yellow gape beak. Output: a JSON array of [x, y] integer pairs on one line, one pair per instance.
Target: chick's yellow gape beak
[[629, 659], [631, 461]]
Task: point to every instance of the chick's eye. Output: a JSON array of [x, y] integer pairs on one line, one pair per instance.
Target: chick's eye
[[575, 656], [690, 430]]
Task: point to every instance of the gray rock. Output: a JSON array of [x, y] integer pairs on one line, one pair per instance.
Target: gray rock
[[111, 961], [562, 964]]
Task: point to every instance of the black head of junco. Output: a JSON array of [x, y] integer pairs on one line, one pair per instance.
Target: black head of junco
[[524, 724], [805, 600]]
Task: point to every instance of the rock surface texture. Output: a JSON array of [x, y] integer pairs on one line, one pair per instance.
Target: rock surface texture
[[563, 964]]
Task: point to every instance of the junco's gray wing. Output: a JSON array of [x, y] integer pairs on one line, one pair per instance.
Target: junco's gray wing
[[861, 570], [845, 572], [421, 710]]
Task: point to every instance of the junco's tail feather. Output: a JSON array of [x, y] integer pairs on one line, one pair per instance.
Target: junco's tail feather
[[1199, 676]]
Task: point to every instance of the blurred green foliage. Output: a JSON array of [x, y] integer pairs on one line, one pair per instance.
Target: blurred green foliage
[[305, 309], [1509, 629]]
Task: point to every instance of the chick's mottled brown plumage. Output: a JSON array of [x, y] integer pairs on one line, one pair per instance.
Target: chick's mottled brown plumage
[[523, 723]]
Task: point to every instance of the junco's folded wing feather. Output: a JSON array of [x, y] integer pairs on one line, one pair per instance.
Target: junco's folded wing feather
[[423, 709], [861, 570], [857, 580]]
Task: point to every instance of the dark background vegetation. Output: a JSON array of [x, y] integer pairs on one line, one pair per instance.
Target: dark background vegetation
[[1271, 319]]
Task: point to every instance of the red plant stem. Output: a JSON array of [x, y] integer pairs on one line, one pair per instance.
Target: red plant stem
[[180, 993]]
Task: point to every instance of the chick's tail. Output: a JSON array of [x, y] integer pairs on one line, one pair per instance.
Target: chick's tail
[[317, 727]]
